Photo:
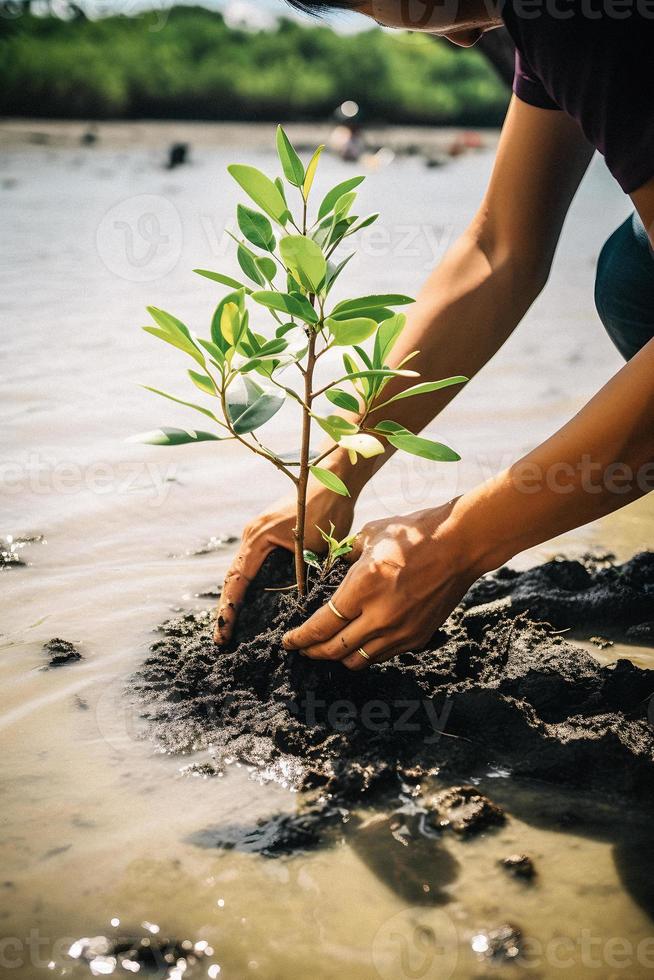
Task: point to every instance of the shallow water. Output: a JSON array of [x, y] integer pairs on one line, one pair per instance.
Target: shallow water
[[95, 823]]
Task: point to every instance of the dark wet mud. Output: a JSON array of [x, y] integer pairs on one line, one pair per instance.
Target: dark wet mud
[[494, 687], [61, 652]]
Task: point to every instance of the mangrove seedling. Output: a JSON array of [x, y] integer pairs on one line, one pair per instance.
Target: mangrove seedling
[[288, 258]]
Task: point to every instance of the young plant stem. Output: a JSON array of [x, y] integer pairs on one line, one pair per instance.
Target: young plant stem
[[303, 476]]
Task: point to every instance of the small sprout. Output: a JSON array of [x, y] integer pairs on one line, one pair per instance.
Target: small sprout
[[335, 549]]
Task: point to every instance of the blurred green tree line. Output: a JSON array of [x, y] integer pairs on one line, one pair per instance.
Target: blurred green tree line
[[191, 65]]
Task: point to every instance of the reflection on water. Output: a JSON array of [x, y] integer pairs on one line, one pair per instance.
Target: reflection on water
[[95, 824]]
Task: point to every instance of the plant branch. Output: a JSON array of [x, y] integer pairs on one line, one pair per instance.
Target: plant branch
[[303, 477], [259, 452]]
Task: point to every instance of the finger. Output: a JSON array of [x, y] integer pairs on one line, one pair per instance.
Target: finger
[[359, 543], [239, 575], [344, 643], [325, 623], [377, 650], [357, 549]]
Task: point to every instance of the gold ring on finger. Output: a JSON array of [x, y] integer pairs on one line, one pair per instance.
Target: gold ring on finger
[[366, 656], [336, 612]]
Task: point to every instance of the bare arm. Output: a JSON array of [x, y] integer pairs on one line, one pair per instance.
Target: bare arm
[[601, 460], [487, 281]]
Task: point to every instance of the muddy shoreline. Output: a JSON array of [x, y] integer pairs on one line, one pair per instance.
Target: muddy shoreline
[[494, 688]]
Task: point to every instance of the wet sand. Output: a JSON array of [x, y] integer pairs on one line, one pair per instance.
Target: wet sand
[[97, 824]]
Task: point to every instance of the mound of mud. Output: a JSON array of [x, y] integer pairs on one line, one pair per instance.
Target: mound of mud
[[494, 687]]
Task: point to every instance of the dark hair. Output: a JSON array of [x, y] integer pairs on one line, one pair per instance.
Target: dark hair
[[318, 7]]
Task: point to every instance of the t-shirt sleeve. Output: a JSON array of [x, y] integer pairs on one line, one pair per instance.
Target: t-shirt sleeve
[[528, 87]]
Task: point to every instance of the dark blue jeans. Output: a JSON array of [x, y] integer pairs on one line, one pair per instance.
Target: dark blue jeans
[[624, 287]]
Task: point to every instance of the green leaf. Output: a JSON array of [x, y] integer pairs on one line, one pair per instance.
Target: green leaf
[[311, 172], [334, 271], [338, 230], [175, 437], [364, 357], [426, 387], [376, 313], [291, 163], [258, 413], [248, 263], [267, 267], [380, 373], [174, 332], [255, 227], [330, 480], [343, 205], [375, 300], [362, 224], [268, 351], [279, 184], [203, 382], [361, 444], [333, 195], [348, 332], [343, 399], [214, 351], [231, 323], [274, 346], [241, 397], [388, 333], [343, 549], [416, 445], [262, 191], [350, 364], [293, 304], [181, 401], [335, 426], [311, 558], [225, 280], [304, 260], [235, 298]]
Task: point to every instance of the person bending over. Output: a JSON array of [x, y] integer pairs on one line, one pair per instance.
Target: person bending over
[[582, 83]]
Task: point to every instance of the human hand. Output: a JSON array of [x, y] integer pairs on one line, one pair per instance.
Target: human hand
[[408, 575], [274, 529]]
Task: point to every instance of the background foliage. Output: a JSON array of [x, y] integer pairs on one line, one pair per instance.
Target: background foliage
[[197, 67]]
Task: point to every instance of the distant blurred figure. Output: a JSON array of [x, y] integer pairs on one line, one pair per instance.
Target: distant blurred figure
[[465, 142], [90, 135], [346, 139], [177, 155]]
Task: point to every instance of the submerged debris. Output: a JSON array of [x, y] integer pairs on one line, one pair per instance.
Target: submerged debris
[[61, 652], [215, 543], [464, 810], [11, 545], [150, 954], [502, 943], [602, 642], [519, 865]]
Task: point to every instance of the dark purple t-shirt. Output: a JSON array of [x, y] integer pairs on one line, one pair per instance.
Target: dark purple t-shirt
[[593, 59]]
